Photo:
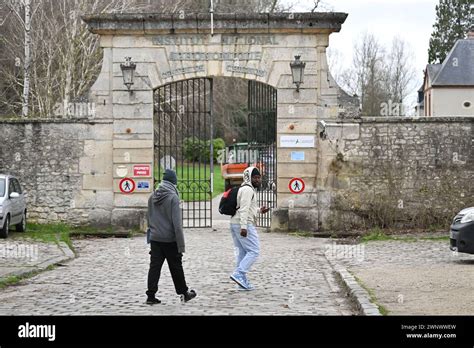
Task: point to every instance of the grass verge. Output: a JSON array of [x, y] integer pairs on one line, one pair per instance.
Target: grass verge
[[49, 233], [301, 234], [14, 280], [59, 232], [384, 311], [378, 234]]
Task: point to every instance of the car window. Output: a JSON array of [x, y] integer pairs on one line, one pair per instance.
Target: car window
[[2, 187], [17, 186], [11, 188]]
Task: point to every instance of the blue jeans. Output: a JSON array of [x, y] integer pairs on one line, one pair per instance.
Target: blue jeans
[[248, 248]]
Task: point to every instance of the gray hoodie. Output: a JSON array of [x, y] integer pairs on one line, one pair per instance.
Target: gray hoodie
[[164, 216]]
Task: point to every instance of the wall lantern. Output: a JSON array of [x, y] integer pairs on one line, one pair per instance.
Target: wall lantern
[[297, 71], [128, 71]]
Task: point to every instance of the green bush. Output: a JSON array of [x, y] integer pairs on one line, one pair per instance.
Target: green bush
[[193, 148], [199, 150], [219, 145]]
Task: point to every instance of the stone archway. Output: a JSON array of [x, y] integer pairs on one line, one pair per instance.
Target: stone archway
[[169, 48], [184, 131]]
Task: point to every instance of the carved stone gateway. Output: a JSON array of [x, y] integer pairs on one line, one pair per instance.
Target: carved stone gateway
[[168, 48]]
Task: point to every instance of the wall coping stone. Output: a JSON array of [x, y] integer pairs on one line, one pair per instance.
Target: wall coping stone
[[52, 120], [420, 119], [158, 23]]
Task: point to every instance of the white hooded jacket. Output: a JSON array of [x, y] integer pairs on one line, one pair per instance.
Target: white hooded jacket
[[246, 202]]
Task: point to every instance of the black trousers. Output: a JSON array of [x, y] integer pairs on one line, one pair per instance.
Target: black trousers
[[169, 252]]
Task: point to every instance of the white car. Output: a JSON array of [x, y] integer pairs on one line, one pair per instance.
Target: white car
[[12, 205]]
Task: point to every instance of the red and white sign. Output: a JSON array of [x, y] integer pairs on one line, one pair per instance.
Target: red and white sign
[[142, 170], [127, 185], [296, 186]]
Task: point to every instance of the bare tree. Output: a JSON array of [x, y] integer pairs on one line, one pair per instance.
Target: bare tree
[[401, 70], [26, 78], [316, 4], [321, 6], [220, 6], [380, 77], [22, 10], [370, 75], [335, 63], [60, 57]]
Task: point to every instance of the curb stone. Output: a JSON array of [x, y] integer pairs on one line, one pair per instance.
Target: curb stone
[[357, 294], [67, 255]]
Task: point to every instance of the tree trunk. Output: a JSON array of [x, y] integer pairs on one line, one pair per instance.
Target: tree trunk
[[27, 64]]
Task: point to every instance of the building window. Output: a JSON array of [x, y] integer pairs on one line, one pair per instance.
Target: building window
[[467, 104]]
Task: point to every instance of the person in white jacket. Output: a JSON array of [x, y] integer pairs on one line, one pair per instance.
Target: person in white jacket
[[242, 226]]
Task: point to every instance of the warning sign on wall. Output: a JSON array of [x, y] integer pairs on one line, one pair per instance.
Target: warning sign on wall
[[296, 186], [127, 185], [142, 170]]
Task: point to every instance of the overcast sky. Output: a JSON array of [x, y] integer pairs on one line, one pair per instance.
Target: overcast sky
[[412, 20]]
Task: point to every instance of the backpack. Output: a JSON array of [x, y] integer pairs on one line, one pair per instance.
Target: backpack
[[228, 203]]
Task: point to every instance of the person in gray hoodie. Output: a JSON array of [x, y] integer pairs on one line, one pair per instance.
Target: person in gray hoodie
[[166, 238]]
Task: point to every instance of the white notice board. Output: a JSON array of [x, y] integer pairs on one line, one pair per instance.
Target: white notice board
[[297, 141]]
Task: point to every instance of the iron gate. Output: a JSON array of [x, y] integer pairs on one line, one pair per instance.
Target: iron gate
[[262, 106], [182, 133]]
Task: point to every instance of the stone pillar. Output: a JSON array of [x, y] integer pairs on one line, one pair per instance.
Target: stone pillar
[[298, 116], [132, 139]]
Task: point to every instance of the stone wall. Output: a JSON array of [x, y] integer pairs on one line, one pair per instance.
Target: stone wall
[[384, 171], [368, 172], [389, 172], [58, 163]]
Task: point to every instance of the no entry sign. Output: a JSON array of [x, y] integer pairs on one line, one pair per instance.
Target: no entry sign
[[296, 185], [127, 185]]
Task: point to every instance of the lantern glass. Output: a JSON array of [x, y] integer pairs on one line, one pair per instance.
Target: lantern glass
[[297, 75], [297, 71], [128, 76], [128, 72]]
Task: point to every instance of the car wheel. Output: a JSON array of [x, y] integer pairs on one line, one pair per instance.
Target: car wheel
[[4, 230], [21, 227]]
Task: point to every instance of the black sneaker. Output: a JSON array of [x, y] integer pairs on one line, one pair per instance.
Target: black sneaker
[[152, 300], [189, 295]]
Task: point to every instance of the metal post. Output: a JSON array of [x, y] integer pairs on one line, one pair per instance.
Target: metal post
[[211, 88], [212, 17]]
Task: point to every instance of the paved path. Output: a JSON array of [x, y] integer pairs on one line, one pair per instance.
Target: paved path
[[109, 278], [415, 278], [21, 256]]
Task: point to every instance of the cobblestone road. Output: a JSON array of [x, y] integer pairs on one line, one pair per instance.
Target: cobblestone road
[[109, 278], [415, 278]]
